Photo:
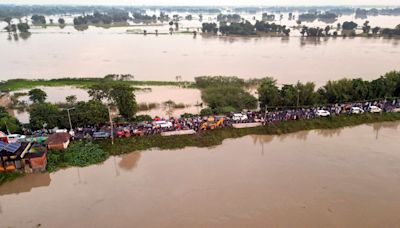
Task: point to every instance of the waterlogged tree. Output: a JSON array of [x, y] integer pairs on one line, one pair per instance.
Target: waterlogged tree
[[38, 19], [307, 95], [37, 95], [228, 96], [124, 97], [71, 100], [100, 91], [366, 27], [349, 25], [268, 92], [23, 27], [206, 112], [89, 113], [44, 114], [7, 122]]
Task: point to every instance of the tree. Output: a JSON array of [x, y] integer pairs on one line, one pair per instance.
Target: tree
[[89, 113], [38, 19], [228, 96], [23, 27], [7, 20], [71, 99], [306, 93], [268, 92], [124, 97], [366, 28], [44, 114], [349, 25], [289, 95], [206, 112], [375, 30], [61, 21], [8, 123], [100, 91], [327, 29], [37, 95]]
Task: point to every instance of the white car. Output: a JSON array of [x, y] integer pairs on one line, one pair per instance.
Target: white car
[[14, 138], [163, 124], [322, 113], [356, 110], [375, 109], [396, 109], [239, 117]]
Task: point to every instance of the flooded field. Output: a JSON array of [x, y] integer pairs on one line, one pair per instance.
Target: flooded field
[[148, 94], [330, 178], [96, 52]]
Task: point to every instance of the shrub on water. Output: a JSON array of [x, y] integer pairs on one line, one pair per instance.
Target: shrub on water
[[84, 153]]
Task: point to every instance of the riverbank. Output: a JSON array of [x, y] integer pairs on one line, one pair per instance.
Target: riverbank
[[18, 84], [216, 137]]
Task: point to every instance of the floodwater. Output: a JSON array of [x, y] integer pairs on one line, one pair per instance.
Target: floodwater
[[148, 94], [56, 53], [328, 178]]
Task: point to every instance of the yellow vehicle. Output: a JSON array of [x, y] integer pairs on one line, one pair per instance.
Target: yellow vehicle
[[212, 123]]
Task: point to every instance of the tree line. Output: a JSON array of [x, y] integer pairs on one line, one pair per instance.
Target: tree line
[[336, 91]]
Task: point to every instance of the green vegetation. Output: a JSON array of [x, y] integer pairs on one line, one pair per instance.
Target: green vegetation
[[38, 19], [7, 122], [83, 154], [6, 177], [78, 154], [50, 116], [245, 28], [225, 94], [18, 84], [339, 91], [124, 97], [37, 96]]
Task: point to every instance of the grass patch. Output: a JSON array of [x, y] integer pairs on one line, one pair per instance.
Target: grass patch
[[18, 84], [6, 177]]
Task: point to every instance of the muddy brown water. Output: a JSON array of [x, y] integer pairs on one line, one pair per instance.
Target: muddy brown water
[[97, 53], [327, 178]]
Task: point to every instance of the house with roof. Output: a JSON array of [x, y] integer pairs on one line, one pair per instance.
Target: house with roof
[[58, 141], [22, 156]]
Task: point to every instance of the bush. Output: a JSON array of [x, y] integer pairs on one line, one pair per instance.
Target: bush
[[55, 160], [225, 110], [206, 112], [141, 118], [83, 154]]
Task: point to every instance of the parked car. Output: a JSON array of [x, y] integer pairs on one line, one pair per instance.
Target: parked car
[[322, 113], [101, 135], [356, 110], [396, 109], [163, 124], [14, 138], [239, 117], [374, 109]]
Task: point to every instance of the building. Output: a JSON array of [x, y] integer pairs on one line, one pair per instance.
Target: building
[[22, 156], [58, 141]]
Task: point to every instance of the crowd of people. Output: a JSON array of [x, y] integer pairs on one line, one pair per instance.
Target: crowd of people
[[271, 115]]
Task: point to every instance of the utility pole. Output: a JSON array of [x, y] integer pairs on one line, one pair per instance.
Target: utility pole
[[111, 125], [69, 118], [298, 97], [265, 115]]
